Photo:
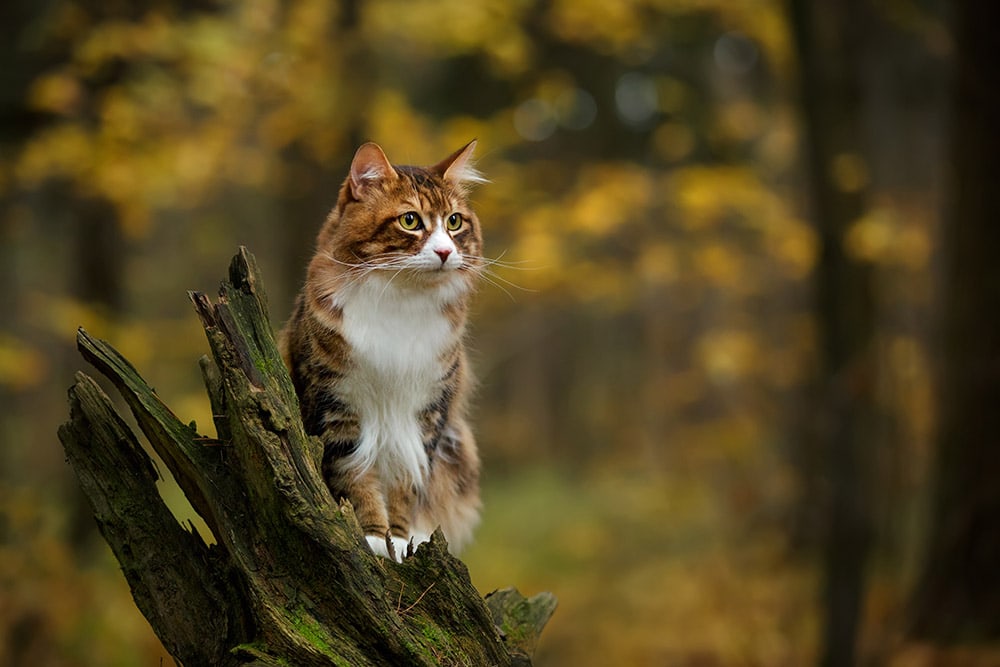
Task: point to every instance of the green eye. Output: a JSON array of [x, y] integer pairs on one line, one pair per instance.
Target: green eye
[[410, 221], [455, 221]]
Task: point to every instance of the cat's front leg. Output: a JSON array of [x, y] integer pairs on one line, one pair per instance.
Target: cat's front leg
[[369, 503], [450, 500], [402, 500]]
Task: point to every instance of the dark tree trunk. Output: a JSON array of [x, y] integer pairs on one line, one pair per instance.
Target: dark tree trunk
[[97, 280], [291, 579], [830, 40], [99, 276], [958, 594]]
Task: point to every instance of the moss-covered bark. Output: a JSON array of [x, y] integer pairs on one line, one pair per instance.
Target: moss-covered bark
[[290, 580]]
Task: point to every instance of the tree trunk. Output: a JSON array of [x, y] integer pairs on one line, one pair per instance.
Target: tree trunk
[[830, 41], [958, 595], [290, 579]]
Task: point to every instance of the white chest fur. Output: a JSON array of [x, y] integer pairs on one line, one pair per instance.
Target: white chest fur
[[397, 334]]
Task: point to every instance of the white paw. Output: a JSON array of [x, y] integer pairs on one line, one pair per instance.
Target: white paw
[[377, 544], [400, 544], [419, 538]]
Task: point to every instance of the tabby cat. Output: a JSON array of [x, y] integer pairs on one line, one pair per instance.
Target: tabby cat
[[375, 348]]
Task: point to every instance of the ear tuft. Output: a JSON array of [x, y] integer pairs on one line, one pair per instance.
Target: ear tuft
[[369, 166], [458, 167]]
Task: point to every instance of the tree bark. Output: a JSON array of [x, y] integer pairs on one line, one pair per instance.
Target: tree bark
[[830, 41], [290, 579], [957, 597]]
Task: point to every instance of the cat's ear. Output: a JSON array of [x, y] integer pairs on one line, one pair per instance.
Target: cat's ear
[[458, 167], [369, 166]]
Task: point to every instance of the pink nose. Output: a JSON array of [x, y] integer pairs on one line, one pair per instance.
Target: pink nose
[[443, 253]]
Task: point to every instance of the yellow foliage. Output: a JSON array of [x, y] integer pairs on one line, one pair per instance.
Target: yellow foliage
[[913, 247], [250, 167], [451, 27], [62, 151], [722, 267], [58, 612], [788, 365], [539, 241], [729, 355], [404, 130], [778, 147], [57, 92], [459, 130], [607, 197], [105, 42], [121, 116], [795, 244], [705, 193], [605, 284], [878, 237], [307, 25], [767, 23], [22, 366], [62, 315], [674, 141], [683, 388], [707, 196], [849, 172], [659, 264], [741, 120]]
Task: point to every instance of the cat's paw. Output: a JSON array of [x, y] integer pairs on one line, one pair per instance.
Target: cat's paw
[[418, 539], [379, 546]]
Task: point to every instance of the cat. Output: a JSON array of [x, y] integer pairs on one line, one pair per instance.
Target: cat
[[375, 348]]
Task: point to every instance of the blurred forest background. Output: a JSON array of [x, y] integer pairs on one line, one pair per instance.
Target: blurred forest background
[[737, 401]]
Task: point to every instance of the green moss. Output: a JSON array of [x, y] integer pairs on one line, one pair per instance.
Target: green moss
[[439, 645], [310, 630], [434, 634], [260, 362], [307, 627]]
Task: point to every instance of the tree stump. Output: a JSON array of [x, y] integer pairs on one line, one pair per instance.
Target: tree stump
[[290, 579]]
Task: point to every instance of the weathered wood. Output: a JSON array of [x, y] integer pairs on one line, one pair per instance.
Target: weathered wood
[[171, 571], [520, 620], [290, 579]]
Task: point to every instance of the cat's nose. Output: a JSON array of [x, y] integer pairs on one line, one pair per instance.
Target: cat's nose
[[443, 253]]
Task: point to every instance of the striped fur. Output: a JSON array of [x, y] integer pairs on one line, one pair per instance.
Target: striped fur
[[375, 348]]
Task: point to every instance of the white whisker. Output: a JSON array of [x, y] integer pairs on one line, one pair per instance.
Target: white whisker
[[496, 276], [482, 268], [498, 262], [389, 282], [498, 286]]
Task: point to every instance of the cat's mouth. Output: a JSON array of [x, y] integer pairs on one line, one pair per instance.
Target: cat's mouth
[[440, 273], [440, 264]]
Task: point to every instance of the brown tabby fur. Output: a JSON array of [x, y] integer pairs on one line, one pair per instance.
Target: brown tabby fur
[[375, 348]]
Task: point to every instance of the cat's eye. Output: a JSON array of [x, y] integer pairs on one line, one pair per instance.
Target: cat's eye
[[410, 221], [455, 221]]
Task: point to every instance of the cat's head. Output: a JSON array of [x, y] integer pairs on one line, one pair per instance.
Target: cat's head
[[414, 224]]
